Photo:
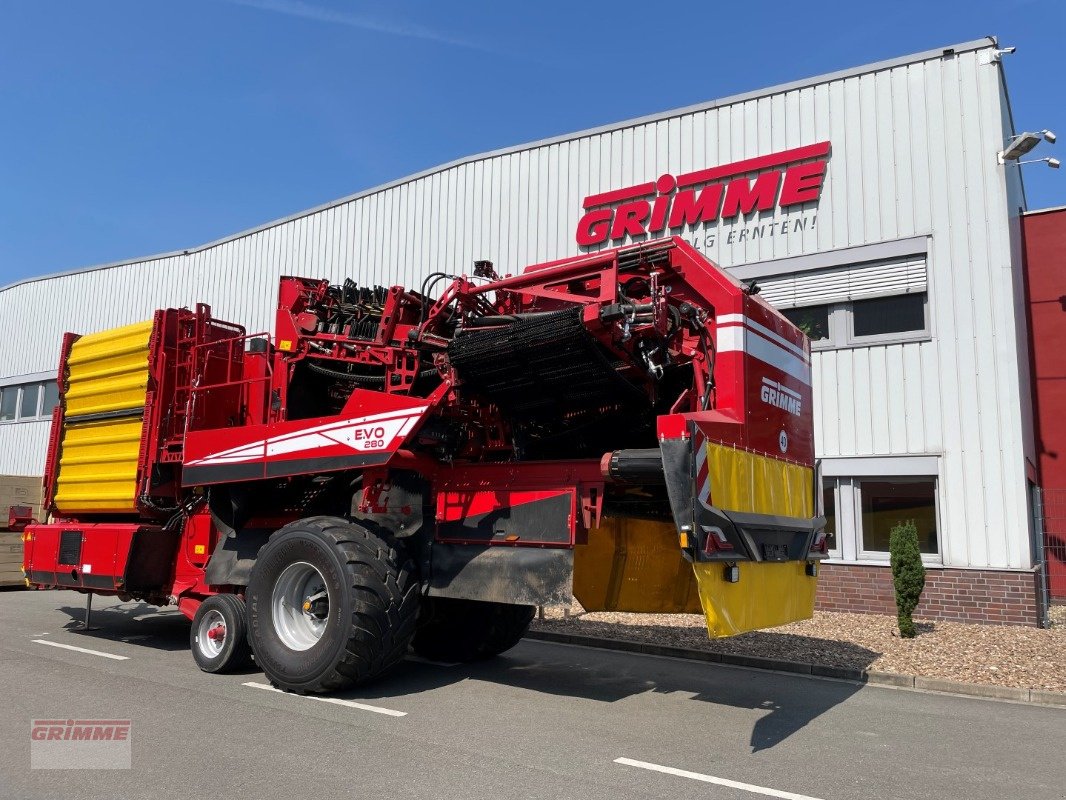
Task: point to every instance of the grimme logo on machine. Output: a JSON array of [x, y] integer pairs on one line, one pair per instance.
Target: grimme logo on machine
[[779, 396], [779, 180]]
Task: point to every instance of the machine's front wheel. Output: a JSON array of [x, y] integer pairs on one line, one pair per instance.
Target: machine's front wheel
[[218, 636], [330, 604], [469, 630]]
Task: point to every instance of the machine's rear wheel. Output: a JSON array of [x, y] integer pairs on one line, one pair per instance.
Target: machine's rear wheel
[[330, 604], [218, 637], [469, 630]]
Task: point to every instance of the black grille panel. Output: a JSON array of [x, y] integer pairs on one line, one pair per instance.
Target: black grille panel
[[70, 547], [543, 368]]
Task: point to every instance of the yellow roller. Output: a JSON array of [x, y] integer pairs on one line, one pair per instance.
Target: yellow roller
[[107, 373]]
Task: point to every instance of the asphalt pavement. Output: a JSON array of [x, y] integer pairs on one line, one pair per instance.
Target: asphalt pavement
[[543, 721]]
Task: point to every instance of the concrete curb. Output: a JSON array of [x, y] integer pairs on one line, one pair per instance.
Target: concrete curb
[[1038, 696]]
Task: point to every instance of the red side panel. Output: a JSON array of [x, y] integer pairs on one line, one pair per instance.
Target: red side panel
[[114, 557], [540, 504]]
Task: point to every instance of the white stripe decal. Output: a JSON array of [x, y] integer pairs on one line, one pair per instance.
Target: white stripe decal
[[313, 438], [776, 338], [734, 338]]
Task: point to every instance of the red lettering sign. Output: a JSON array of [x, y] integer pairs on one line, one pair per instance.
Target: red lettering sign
[[779, 180]]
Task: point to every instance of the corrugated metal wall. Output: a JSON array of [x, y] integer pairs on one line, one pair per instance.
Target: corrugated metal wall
[[913, 154]]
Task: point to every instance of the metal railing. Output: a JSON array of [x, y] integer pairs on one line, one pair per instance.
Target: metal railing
[[219, 365], [1050, 508]]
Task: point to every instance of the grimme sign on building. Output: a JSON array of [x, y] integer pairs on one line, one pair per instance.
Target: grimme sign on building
[[713, 197]]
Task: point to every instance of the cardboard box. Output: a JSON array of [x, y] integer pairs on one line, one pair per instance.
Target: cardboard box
[[15, 490], [19, 490]]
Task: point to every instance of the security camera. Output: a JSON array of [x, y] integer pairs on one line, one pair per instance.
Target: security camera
[[1054, 163]]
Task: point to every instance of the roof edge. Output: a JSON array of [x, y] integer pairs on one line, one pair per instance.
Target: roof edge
[[899, 61], [1048, 210]]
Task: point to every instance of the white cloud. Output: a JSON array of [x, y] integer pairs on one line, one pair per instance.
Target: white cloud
[[298, 8]]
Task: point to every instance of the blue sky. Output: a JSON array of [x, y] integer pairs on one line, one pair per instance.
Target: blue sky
[[132, 127]]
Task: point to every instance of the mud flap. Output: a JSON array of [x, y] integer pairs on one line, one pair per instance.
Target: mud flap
[[634, 565], [536, 576], [750, 556], [767, 594]]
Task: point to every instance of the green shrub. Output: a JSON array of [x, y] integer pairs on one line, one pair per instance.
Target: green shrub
[[908, 574]]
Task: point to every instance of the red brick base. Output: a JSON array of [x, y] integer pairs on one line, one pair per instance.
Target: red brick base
[[964, 595]]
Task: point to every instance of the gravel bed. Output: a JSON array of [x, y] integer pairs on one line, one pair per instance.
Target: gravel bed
[[1003, 655]]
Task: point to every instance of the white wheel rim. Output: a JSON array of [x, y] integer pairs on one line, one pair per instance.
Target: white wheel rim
[[211, 634], [300, 606]]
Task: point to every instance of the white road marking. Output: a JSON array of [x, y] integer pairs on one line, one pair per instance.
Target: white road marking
[[696, 776], [335, 700], [82, 650], [420, 660]]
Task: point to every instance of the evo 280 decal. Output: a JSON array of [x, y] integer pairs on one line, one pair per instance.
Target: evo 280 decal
[[369, 434]]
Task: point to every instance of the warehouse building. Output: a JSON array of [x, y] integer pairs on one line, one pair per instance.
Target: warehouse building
[[869, 205]]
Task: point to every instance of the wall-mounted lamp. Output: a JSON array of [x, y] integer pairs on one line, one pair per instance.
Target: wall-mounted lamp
[[1054, 163], [1021, 144]]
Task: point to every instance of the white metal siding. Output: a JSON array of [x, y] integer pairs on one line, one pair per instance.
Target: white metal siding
[[913, 154], [23, 447]]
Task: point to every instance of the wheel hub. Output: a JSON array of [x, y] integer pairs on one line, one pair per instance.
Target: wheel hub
[[300, 605], [211, 634]]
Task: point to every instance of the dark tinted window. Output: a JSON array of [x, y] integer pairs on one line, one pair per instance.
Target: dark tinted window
[[51, 397], [885, 504], [829, 504], [812, 320], [889, 315], [9, 397], [28, 406]]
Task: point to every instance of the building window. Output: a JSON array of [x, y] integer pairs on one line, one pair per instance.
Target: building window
[[861, 512], [881, 316], [31, 395], [812, 320], [886, 504], [857, 305], [51, 398], [25, 402], [829, 511], [9, 403]]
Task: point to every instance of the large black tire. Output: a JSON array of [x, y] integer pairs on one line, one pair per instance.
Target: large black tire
[[370, 615], [219, 634], [469, 630]]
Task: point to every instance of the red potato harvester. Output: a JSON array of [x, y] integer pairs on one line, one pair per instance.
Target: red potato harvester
[[403, 469]]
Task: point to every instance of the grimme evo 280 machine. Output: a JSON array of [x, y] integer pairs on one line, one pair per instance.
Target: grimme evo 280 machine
[[405, 469]]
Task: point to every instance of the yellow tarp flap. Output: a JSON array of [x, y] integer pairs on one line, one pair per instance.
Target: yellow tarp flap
[[743, 481], [107, 372], [634, 565], [767, 594]]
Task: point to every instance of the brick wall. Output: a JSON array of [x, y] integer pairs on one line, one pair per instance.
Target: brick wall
[[963, 595]]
